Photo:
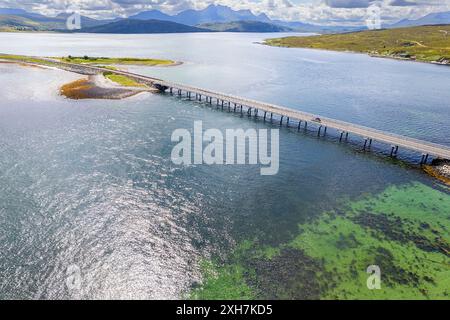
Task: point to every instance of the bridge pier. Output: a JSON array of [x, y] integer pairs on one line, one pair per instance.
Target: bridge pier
[[318, 133], [394, 150], [299, 125], [422, 159], [281, 121], [287, 122], [325, 131], [265, 114], [340, 137]]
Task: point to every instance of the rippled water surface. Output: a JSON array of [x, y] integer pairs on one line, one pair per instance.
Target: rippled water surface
[[90, 186]]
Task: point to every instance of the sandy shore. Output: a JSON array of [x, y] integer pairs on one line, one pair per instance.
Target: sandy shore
[[98, 87]]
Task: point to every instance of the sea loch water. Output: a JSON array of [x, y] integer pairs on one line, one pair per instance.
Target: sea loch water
[[91, 184]]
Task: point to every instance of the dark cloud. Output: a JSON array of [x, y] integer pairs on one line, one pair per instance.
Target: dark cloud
[[402, 3], [348, 3]]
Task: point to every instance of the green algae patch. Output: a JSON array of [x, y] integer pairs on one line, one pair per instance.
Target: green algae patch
[[222, 282], [404, 231]]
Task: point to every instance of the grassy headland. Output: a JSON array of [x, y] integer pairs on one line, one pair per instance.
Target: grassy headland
[[26, 59], [425, 43]]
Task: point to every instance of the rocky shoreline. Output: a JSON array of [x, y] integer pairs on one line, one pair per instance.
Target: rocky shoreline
[[98, 87], [440, 169]]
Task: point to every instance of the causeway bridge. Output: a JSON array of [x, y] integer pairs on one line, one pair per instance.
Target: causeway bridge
[[285, 116]]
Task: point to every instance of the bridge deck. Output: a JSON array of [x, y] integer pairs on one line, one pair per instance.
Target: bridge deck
[[365, 132]]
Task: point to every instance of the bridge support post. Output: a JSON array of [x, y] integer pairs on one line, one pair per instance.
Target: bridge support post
[[346, 136], [256, 113], [318, 133], [287, 122], [394, 150], [422, 159], [265, 114], [306, 125], [299, 125], [365, 143], [340, 138], [281, 121], [426, 158], [324, 131], [234, 109], [271, 117], [370, 143]]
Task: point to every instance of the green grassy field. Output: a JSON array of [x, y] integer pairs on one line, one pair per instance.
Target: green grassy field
[[120, 61], [122, 80], [425, 43]]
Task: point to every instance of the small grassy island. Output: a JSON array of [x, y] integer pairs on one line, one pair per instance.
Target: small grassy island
[[426, 43], [86, 60], [117, 61]]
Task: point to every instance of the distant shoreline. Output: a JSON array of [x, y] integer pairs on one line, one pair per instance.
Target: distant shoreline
[[427, 44], [436, 63]]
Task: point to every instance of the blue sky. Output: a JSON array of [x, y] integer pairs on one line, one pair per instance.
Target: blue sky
[[350, 12]]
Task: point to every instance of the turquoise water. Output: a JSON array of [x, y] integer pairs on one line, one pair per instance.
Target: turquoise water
[[91, 183]]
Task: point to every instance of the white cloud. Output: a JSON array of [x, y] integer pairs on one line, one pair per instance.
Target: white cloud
[[316, 11]]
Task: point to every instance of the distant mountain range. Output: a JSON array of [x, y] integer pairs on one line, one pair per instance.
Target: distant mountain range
[[21, 20], [211, 14], [217, 18], [429, 19]]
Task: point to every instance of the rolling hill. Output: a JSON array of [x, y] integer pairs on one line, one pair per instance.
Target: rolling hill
[[423, 43], [129, 26]]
